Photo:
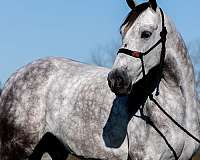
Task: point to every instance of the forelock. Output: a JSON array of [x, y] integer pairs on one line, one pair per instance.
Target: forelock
[[133, 15]]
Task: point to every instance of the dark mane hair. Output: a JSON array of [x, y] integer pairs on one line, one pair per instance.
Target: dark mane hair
[[132, 16]]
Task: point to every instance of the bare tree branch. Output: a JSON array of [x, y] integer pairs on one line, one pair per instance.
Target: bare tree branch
[[105, 55]]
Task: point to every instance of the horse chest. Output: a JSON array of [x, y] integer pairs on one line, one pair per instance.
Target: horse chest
[[149, 142]]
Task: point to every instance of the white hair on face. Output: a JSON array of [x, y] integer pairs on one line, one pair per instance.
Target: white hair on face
[[135, 24], [147, 20]]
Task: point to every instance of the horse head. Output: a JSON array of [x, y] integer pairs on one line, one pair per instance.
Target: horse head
[[141, 32]]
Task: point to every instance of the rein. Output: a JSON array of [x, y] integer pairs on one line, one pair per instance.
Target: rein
[[137, 54]]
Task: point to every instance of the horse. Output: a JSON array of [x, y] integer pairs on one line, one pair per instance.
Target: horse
[[153, 63], [60, 106]]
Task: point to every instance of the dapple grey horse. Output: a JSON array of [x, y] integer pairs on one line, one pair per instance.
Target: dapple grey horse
[[60, 106]]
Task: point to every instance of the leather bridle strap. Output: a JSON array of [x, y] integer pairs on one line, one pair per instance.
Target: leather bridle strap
[[137, 54]]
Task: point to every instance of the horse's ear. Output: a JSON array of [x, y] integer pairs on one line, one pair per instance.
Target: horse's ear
[[131, 3], [153, 4]]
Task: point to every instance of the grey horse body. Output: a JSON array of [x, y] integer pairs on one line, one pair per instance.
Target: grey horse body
[[64, 97]]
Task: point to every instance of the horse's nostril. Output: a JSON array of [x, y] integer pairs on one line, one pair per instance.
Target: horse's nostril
[[115, 82], [119, 82]]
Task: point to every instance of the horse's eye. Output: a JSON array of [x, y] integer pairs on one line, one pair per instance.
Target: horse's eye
[[146, 34]]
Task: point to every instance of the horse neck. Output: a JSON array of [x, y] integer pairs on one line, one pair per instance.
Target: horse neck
[[178, 69], [179, 72]]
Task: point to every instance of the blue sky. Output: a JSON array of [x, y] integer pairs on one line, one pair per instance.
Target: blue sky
[[72, 28]]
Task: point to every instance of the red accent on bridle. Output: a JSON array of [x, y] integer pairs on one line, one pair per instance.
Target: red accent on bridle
[[136, 54]]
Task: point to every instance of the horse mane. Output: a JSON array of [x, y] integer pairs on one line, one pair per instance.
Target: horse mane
[[132, 16]]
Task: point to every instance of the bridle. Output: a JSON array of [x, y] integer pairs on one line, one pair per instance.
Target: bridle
[[137, 54]]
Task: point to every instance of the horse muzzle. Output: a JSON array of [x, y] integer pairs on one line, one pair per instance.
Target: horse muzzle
[[120, 82]]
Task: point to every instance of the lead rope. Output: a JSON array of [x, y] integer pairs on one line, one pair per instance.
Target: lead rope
[[149, 121], [173, 120]]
